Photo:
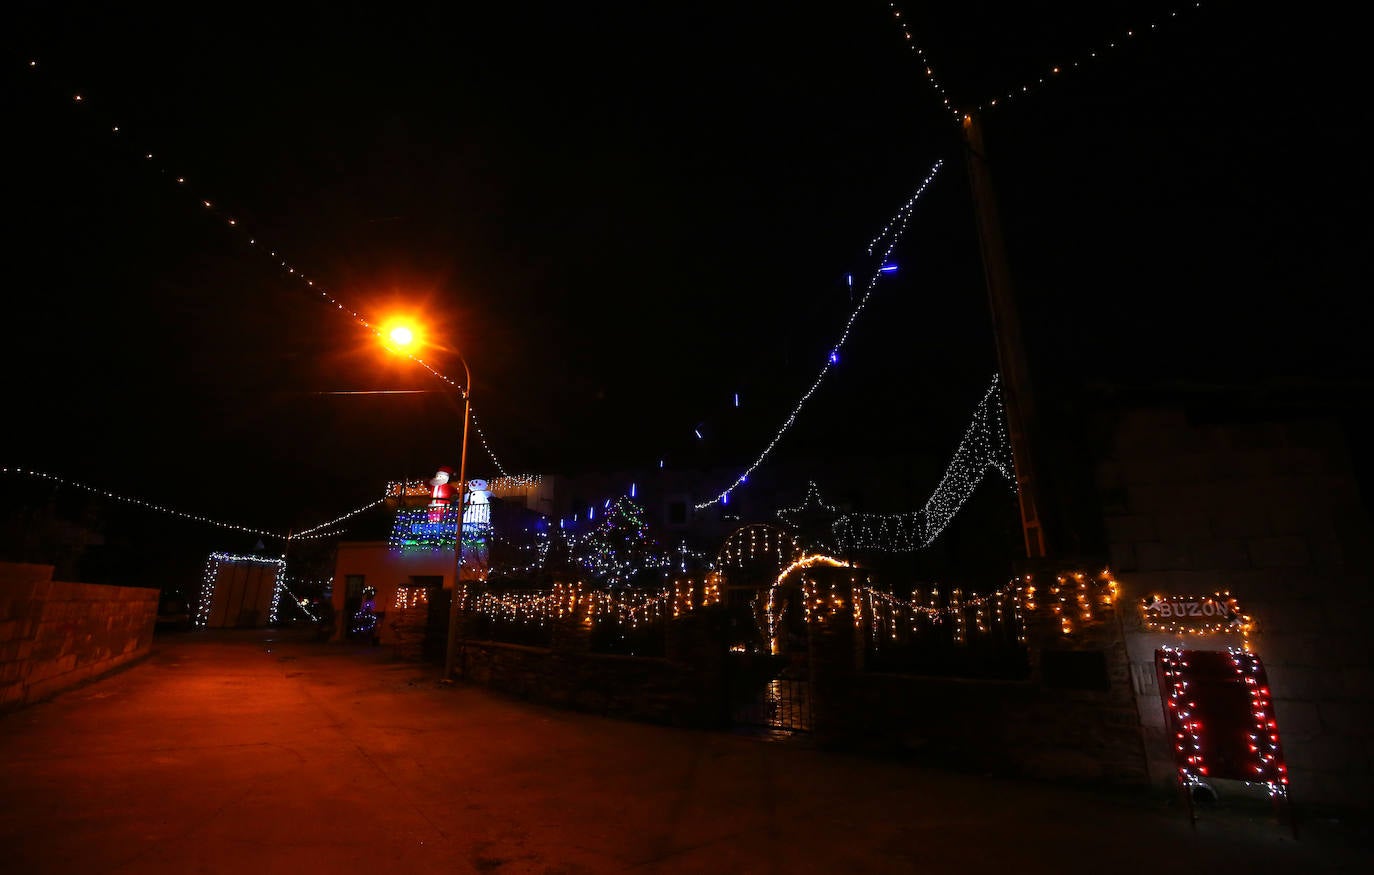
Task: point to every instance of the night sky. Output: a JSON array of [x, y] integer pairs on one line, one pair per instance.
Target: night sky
[[623, 215]]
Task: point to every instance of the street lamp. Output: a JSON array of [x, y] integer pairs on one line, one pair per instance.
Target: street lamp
[[452, 645], [401, 336]]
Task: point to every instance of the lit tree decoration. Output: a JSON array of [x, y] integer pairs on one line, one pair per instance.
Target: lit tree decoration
[[619, 549]]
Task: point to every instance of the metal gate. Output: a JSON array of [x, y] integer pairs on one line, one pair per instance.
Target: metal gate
[[768, 666]]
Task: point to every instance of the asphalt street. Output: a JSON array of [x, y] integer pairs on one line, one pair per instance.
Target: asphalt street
[[265, 751]]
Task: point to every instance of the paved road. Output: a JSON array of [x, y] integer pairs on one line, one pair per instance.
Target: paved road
[[255, 753]]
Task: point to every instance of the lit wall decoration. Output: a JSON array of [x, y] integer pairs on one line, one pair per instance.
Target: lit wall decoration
[[984, 446], [211, 575], [1216, 614], [1068, 603], [1051, 72], [1211, 738], [408, 597]]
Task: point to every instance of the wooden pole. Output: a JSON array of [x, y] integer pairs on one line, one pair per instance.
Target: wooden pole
[[1017, 399]]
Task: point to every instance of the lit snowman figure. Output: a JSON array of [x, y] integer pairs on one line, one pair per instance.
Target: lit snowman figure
[[476, 527]]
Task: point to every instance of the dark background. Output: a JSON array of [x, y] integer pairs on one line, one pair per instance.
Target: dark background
[[624, 214]]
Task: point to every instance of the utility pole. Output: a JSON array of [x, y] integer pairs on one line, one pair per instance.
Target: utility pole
[[1017, 398]]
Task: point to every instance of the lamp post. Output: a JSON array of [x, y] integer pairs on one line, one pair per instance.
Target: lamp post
[[401, 337], [453, 603]]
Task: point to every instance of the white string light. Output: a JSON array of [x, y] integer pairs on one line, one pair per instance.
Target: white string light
[[207, 585], [983, 446], [1053, 71], [139, 502], [891, 234], [325, 296], [313, 529]]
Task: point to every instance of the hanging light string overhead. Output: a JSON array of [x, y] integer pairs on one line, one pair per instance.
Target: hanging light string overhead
[[1052, 71], [887, 241], [305, 534], [233, 224]]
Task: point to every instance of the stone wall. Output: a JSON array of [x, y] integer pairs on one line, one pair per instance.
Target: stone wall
[[1077, 728], [1271, 511], [54, 634], [685, 688]]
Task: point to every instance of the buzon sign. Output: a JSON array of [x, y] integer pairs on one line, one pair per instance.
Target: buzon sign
[[1188, 613]]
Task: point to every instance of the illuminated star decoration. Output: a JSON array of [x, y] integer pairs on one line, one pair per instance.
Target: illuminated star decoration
[[811, 518]]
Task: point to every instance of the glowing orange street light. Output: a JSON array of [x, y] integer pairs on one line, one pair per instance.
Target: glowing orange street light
[[401, 338]]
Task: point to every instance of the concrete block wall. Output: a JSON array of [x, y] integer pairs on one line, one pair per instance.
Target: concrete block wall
[[1270, 511], [54, 634]]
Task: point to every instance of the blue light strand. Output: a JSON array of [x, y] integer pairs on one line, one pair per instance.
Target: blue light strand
[[890, 234]]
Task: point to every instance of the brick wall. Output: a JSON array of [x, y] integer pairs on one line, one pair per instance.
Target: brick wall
[[54, 634], [1270, 511]]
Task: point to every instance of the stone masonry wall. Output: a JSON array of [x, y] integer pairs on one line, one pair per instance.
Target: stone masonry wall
[[54, 634], [1271, 512], [1030, 728], [682, 689]]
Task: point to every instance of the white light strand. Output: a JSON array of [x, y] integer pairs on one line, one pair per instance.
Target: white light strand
[[983, 446], [300, 276], [313, 529], [1053, 71], [895, 234], [207, 585], [935, 84], [139, 502]]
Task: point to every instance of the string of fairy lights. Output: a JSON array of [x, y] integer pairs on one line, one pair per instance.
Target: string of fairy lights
[[311, 533], [984, 447], [1051, 72], [206, 606], [886, 240], [279, 259]]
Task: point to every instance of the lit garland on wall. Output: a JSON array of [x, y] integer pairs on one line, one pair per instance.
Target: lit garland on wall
[[983, 446], [1268, 768], [893, 234], [1053, 71], [630, 608], [758, 543], [424, 529], [1217, 614], [408, 597], [1264, 740], [207, 584], [1074, 600]]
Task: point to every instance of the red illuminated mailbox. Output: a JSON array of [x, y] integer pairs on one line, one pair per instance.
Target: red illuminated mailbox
[[1220, 715]]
